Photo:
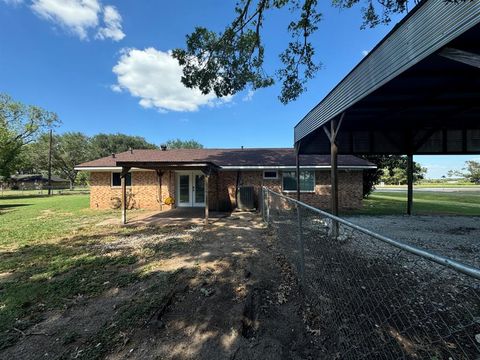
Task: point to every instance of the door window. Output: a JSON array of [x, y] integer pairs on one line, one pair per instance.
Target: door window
[[184, 188]]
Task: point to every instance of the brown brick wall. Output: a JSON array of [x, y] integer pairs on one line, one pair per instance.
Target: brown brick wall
[[145, 189], [144, 192], [349, 186]]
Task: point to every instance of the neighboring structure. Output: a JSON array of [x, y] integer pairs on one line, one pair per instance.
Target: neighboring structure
[[37, 182], [152, 177]]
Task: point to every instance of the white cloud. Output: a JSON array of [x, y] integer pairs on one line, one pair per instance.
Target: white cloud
[[155, 77], [80, 17], [113, 24], [365, 53], [249, 95], [77, 16]]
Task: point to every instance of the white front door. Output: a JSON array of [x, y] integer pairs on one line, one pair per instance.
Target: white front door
[[190, 189]]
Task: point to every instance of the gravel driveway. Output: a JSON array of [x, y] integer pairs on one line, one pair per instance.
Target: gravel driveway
[[457, 237]]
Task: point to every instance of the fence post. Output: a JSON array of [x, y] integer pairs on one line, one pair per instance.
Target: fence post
[[301, 249]]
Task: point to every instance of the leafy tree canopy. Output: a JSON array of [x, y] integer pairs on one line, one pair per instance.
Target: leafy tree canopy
[[232, 60], [20, 125], [391, 169], [471, 171], [108, 144], [183, 144]]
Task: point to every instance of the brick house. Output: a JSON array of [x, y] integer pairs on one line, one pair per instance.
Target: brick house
[[184, 175]]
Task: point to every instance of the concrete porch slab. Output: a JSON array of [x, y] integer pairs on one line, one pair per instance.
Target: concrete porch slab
[[194, 216]]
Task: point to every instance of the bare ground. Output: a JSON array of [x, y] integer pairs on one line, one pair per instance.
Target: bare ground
[[216, 293]]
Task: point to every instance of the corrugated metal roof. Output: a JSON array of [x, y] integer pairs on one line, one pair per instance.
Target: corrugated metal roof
[[427, 28]]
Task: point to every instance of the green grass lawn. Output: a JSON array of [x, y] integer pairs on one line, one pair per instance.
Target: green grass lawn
[[424, 203], [48, 256]]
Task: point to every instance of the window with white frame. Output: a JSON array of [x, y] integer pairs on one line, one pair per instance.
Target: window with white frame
[[117, 181], [270, 174], [307, 181]]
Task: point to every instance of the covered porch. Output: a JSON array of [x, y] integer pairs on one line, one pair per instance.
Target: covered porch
[[190, 192]]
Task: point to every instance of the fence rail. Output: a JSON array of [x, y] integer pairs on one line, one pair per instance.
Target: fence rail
[[372, 297]]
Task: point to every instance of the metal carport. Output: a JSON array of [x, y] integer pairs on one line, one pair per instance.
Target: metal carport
[[417, 92]]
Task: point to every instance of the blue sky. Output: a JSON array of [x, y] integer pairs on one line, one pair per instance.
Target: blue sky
[[104, 66]]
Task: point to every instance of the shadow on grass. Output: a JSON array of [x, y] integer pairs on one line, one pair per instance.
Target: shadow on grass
[[6, 207]]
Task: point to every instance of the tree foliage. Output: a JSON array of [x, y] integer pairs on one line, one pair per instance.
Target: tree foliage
[[232, 60], [392, 169], [183, 144], [471, 172], [72, 148], [68, 150], [20, 125], [107, 144]]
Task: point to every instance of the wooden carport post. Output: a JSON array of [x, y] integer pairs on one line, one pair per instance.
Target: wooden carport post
[[123, 175], [332, 136], [409, 183], [297, 158]]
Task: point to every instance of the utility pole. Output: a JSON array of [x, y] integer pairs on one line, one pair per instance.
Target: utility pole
[[50, 165]]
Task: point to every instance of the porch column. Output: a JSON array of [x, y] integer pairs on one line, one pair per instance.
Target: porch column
[[123, 183], [160, 174], [206, 198]]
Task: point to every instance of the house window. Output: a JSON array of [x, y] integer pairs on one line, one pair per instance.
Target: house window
[[117, 181], [270, 174], [307, 181]]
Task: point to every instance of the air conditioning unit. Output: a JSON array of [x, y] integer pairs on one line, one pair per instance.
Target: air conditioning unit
[[246, 198]]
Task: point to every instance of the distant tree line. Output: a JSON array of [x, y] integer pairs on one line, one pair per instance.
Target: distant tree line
[[25, 143]]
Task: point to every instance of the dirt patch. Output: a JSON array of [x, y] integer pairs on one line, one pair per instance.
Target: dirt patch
[[207, 293], [69, 333]]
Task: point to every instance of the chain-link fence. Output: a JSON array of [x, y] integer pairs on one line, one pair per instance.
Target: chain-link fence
[[371, 297]]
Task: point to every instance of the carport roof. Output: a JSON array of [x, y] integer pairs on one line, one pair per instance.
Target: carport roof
[[417, 91], [223, 158]]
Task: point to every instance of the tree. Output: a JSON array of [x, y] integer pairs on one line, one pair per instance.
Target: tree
[[183, 144], [230, 61], [398, 175], [385, 171], [108, 144], [20, 125], [69, 149], [471, 171]]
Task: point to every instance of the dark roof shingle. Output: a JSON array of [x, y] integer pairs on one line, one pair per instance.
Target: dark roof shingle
[[225, 157]]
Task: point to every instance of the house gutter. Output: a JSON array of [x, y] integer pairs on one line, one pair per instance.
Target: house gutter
[[247, 167]]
